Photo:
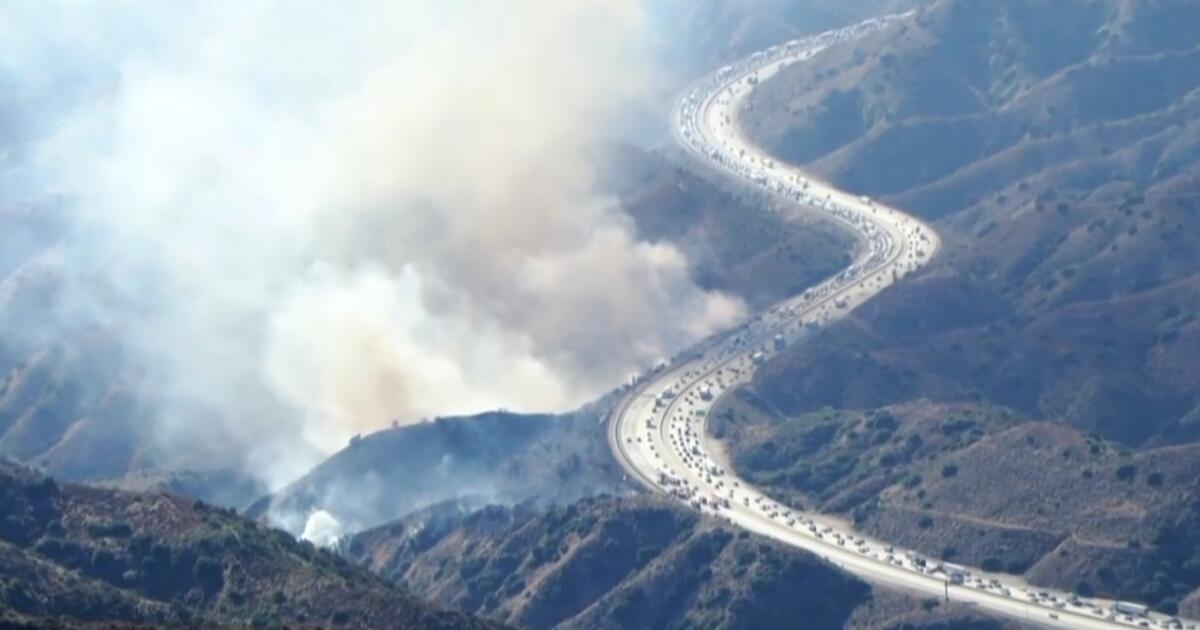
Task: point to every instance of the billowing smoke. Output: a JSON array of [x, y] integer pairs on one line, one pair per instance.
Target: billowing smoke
[[322, 529], [309, 219]]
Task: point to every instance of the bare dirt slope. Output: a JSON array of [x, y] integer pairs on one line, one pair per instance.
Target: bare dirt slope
[[628, 563], [1055, 145]]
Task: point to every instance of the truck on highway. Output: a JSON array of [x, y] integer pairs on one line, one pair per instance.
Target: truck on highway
[[706, 393], [1130, 608], [955, 573]]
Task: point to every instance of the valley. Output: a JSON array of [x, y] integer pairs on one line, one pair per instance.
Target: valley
[[659, 432], [886, 322]]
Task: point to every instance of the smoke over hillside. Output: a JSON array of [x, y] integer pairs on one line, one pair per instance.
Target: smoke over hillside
[[304, 220]]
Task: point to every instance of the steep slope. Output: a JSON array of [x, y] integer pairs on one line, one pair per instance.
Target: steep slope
[[74, 403], [965, 92], [79, 554], [493, 457], [732, 245], [1041, 373], [625, 563], [732, 240], [712, 32], [71, 400], [1119, 367], [984, 486]]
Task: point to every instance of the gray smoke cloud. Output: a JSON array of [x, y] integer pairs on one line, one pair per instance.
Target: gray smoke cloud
[[308, 219]]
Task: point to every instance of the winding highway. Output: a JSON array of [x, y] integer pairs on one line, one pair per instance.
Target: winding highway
[[659, 430]]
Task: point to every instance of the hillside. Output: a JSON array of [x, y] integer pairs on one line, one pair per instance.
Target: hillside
[[733, 240], [494, 457], [731, 244], [984, 486], [83, 554], [71, 399], [627, 563], [712, 32], [1063, 172], [74, 403], [971, 95], [1038, 379]]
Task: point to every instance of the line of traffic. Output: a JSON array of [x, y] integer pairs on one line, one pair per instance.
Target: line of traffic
[[659, 431]]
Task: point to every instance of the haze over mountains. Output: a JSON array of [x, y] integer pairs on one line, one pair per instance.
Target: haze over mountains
[[1027, 404], [376, 246], [137, 374]]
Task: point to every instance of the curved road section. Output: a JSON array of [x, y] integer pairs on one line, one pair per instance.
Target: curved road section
[[658, 432]]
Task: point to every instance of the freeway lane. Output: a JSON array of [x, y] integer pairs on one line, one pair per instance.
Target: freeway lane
[[658, 432]]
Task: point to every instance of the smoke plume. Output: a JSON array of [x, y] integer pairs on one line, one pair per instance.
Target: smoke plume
[[309, 219], [322, 529]]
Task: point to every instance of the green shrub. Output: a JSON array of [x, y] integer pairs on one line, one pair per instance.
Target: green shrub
[[107, 566], [110, 530], [952, 426], [471, 567], [208, 575], [882, 420], [1126, 472]]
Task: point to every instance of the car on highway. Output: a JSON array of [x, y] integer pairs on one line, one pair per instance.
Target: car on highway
[[896, 244]]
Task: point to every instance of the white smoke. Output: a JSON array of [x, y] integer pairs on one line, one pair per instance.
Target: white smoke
[[308, 219], [322, 529]]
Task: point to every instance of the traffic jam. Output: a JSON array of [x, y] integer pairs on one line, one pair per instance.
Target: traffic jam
[[676, 398]]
